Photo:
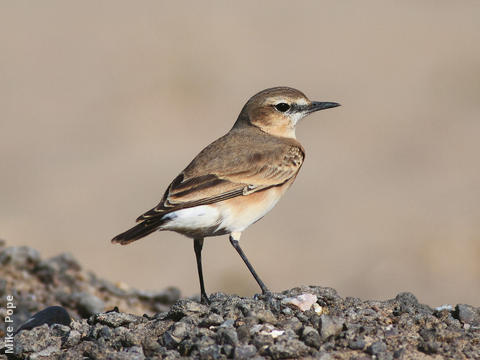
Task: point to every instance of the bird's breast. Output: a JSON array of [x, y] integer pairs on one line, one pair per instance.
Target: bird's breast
[[240, 212]]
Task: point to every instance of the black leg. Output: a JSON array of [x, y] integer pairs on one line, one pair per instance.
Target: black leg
[[197, 246], [237, 247]]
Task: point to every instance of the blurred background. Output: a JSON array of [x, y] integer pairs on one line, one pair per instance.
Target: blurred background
[[103, 103]]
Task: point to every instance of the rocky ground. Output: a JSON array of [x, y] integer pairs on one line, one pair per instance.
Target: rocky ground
[[304, 322]]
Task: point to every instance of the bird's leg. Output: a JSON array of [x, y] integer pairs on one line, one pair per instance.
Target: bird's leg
[[237, 247], [197, 246]]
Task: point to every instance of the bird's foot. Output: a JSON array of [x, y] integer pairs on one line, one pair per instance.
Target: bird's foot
[[266, 295], [204, 299]]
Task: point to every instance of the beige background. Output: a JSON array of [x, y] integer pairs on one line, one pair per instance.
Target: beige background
[[103, 103]]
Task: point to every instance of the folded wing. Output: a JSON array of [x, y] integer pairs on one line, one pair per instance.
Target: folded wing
[[221, 176]]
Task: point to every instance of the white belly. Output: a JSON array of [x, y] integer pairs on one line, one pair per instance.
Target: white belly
[[225, 217], [194, 222]]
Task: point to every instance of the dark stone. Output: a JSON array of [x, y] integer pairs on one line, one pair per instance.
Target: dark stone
[[185, 308], [265, 316], [170, 355], [467, 314], [212, 320], [151, 346], [39, 340], [326, 296], [408, 303], [211, 352], [290, 349], [74, 337], [245, 352], [227, 336], [427, 334], [357, 344], [105, 332], [50, 315], [377, 347], [398, 354], [303, 318], [429, 347], [243, 333], [330, 326], [175, 334], [186, 347], [125, 338], [407, 298], [311, 337], [262, 342], [228, 350], [293, 324], [116, 319]]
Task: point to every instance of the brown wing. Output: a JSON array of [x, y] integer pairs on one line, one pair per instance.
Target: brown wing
[[215, 175]]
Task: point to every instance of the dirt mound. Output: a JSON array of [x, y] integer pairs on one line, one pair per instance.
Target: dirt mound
[[298, 323]]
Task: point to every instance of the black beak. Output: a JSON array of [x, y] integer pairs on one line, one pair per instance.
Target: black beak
[[318, 105]]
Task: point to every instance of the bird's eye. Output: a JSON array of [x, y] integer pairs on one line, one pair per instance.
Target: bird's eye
[[282, 107]]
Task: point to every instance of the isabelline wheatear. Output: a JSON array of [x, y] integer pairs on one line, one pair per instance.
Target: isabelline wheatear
[[237, 179]]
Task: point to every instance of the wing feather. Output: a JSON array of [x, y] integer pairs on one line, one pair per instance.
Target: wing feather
[[214, 175]]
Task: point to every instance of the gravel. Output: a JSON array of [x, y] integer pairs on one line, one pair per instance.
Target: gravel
[[277, 326], [36, 284]]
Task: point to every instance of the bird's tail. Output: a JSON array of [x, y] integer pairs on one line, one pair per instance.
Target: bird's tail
[[139, 231]]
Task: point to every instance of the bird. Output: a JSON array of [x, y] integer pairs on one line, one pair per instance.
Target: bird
[[237, 179]]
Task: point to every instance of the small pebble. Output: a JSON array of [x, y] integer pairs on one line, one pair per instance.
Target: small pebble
[[330, 326], [304, 302], [245, 352], [467, 314], [318, 309], [311, 337], [377, 348]]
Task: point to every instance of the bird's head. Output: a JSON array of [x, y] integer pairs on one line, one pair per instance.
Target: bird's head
[[277, 110]]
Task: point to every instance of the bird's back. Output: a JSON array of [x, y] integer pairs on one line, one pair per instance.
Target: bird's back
[[249, 146]]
